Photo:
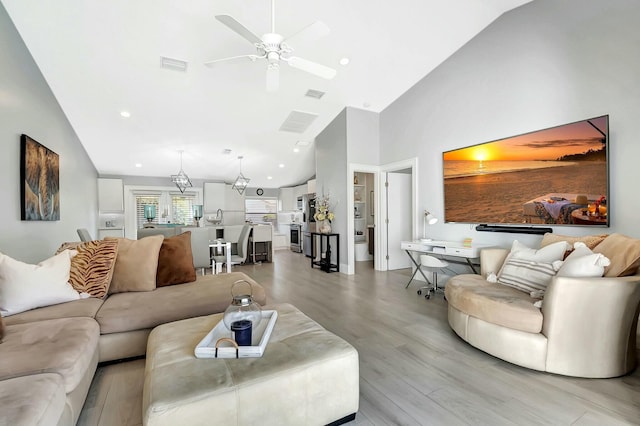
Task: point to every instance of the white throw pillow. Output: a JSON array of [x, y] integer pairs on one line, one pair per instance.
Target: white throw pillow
[[24, 286], [583, 263], [547, 254], [528, 275]]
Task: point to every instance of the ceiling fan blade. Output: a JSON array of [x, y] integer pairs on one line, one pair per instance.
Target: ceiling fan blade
[[310, 33], [311, 67], [273, 78], [241, 58], [236, 26]]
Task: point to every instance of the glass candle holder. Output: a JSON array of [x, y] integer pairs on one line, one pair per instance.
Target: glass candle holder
[[149, 212]]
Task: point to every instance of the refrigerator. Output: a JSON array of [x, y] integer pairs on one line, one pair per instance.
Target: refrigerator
[[308, 222]]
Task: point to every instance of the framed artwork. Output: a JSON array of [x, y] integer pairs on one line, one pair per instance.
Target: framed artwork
[[39, 181]]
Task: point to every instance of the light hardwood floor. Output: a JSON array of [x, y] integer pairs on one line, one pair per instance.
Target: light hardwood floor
[[413, 369]]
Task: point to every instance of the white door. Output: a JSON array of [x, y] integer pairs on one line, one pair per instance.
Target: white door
[[398, 219]]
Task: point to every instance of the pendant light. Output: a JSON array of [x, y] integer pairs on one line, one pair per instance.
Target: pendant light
[[241, 182], [181, 180]]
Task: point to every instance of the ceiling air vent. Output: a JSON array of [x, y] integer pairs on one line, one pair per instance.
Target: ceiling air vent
[[298, 122], [173, 64], [316, 94]]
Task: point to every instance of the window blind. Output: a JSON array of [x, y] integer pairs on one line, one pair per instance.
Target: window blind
[[141, 201], [182, 208], [260, 209]]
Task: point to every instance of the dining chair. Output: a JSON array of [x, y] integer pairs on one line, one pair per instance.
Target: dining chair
[[242, 246], [199, 247], [84, 235]]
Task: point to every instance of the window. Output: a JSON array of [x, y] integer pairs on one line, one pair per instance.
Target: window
[[170, 207], [141, 201], [259, 210], [182, 208]]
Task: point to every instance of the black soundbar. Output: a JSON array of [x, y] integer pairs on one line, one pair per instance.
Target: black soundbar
[[513, 229]]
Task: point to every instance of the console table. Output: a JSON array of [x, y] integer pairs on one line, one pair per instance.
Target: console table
[[325, 247]]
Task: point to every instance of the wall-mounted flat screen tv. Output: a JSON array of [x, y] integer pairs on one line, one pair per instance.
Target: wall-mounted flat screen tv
[[553, 176]]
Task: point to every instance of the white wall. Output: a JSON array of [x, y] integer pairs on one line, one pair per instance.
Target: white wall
[[352, 137], [543, 64], [363, 136], [28, 106], [331, 174]]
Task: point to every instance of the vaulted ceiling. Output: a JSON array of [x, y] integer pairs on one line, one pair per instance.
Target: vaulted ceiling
[[101, 58]]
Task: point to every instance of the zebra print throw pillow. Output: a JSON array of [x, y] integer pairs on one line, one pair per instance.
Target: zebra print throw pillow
[[92, 267]]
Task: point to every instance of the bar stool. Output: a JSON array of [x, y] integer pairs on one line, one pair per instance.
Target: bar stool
[[435, 265]]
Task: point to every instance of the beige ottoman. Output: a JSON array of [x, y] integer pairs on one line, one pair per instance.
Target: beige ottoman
[[307, 376]]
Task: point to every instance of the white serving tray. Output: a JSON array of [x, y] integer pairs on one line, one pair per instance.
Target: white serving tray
[[259, 339]]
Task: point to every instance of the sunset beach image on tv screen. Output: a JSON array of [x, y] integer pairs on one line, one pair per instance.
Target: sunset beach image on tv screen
[[553, 176]]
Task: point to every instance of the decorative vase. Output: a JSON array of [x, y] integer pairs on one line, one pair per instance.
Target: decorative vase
[[325, 227]]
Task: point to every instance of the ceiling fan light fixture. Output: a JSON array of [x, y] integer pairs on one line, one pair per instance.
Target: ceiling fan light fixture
[[181, 180], [275, 48]]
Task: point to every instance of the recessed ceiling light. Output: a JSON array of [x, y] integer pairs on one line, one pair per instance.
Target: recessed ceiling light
[[366, 104], [125, 114], [138, 165], [344, 61], [269, 177], [296, 149], [281, 165]]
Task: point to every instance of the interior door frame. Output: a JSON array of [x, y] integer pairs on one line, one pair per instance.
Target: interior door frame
[[362, 168], [381, 263], [380, 203]]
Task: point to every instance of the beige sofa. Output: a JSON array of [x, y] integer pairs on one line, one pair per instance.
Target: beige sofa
[[50, 354], [585, 328]]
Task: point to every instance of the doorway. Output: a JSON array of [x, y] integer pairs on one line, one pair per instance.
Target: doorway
[[383, 250], [398, 203], [363, 219]]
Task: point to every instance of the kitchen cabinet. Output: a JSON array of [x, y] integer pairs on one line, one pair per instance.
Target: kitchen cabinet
[[110, 195], [300, 190], [311, 186], [214, 197]]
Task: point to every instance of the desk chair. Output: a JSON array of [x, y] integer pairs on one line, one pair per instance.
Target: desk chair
[[435, 265], [84, 235]]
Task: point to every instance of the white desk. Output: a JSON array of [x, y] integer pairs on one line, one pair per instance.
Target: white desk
[[450, 249], [218, 245]]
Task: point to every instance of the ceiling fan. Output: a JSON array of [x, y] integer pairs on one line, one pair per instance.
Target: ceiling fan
[[275, 48]]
